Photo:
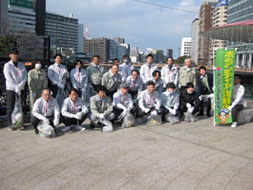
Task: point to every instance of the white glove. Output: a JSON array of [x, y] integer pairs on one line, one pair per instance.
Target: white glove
[[17, 90], [190, 110], [45, 120], [78, 115], [172, 111], [200, 97], [154, 112], [101, 116], [56, 122], [61, 86], [211, 95], [129, 110], [230, 108], [146, 110], [188, 105]]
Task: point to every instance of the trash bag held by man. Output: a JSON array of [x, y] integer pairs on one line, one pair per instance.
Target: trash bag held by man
[[171, 118], [154, 120], [17, 114], [128, 120], [60, 97], [189, 117], [46, 130]]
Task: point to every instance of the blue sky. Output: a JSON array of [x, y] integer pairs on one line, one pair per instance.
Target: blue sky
[[141, 25]]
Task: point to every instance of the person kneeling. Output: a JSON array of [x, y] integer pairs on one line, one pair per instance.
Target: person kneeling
[[189, 100], [74, 111], [45, 110], [170, 104], [122, 102], [149, 102], [101, 110]]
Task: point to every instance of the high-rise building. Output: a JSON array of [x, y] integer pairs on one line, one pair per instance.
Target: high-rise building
[[186, 46], [64, 29], [169, 53], [97, 46], [40, 10], [158, 56], [195, 40], [80, 38], [3, 13], [241, 11], [205, 23], [119, 40]]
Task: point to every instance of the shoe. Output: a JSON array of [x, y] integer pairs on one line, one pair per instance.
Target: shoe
[[12, 128], [80, 128], [36, 132], [92, 126], [234, 124], [23, 127], [64, 129], [200, 114], [208, 115]]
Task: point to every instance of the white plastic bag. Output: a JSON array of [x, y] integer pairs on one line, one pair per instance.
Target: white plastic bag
[[17, 114], [171, 118], [60, 97], [128, 120], [46, 130], [189, 117], [154, 120]]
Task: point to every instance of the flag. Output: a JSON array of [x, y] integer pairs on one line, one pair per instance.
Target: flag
[[224, 83]]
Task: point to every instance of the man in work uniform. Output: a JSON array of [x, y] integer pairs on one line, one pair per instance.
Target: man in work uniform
[[147, 69]]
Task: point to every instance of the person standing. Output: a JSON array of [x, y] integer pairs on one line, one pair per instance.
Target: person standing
[[135, 83], [79, 79], [125, 68], [205, 87], [187, 74], [111, 81], [37, 81], [237, 99], [147, 69], [169, 73], [15, 75], [95, 72], [45, 110], [158, 81], [74, 110], [58, 75]]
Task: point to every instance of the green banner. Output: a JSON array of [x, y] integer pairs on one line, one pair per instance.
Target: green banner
[[224, 83], [22, 3]]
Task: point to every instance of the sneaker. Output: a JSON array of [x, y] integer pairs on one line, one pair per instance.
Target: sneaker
[[80, 128], [36, 132], [12, 128], [234, 124], [23, 127], [64, 129], [208, 115]]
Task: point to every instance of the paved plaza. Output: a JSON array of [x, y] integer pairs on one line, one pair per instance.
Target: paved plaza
[[183, 156]]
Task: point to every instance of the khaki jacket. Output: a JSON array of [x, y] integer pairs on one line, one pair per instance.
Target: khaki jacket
[[96, 108], [187, 76]]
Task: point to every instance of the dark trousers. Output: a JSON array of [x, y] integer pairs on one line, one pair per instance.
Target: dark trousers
[[141, 113], [134, 94], [54, 89], [183, 109], [201, 106], [110, 94], [72, 121], [234, 112], [118, 111], [165, 111], [10, 103], [35, 122]]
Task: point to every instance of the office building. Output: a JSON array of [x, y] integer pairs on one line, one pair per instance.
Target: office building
[[158, 56], [205, 23], [3, 13], [195, 40], [186, 46], [169, 53], [241, 11]]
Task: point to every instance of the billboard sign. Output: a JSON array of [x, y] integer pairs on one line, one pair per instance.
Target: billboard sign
[[221, 3], [21, 3]]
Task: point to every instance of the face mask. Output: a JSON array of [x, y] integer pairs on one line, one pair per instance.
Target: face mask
[[189, 92], [38, 66], [170, 91], [126, 61]]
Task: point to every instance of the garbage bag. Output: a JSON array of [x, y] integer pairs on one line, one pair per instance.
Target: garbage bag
[[17, 114], [189, 117], [154, 120], [60, 97], [171, 118], [46, 130], [128, 120]]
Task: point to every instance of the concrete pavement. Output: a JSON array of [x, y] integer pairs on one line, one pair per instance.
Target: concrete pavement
[[183, 156]]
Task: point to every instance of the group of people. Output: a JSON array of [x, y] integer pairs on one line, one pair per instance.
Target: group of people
[[111, 94]]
